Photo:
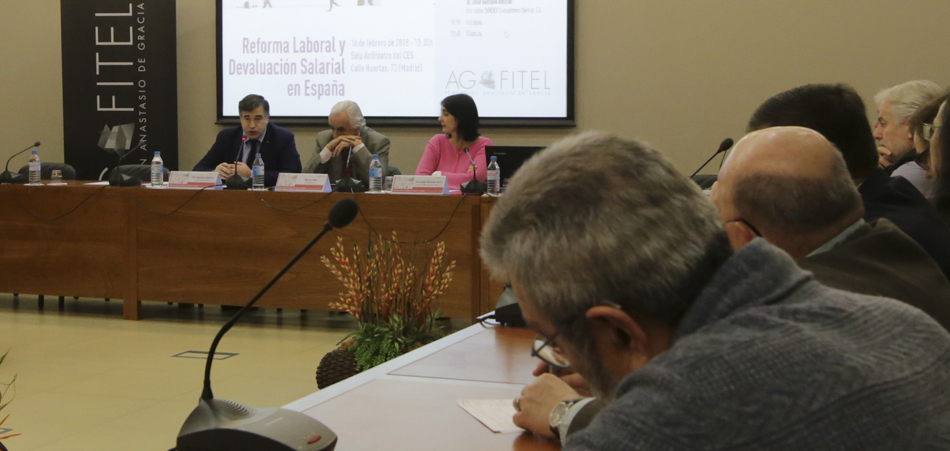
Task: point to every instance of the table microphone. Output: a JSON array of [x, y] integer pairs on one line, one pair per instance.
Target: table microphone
[[349, 184], [218, 424], [235, 181], [117, 178], [7, 176], [473, 186], [724, 146]]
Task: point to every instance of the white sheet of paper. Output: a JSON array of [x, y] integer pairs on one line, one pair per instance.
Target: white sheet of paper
[[97, 184], [494, 413]]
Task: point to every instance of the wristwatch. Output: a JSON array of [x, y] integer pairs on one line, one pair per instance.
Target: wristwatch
[[557, 414]]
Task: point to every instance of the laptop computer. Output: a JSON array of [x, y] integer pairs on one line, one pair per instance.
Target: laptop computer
[[510, 158]]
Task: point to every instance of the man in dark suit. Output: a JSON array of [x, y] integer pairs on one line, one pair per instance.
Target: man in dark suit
[[232, 153], [838, 113], [347, 149]]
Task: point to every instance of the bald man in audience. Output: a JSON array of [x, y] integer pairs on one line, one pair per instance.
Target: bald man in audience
[[791, 186], [838, 113]]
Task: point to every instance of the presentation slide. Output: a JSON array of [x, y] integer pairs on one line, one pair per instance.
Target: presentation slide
[[397, 58]]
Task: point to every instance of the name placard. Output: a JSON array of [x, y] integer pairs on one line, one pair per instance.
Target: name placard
[[312, 183], [193, 180], [420, 184]]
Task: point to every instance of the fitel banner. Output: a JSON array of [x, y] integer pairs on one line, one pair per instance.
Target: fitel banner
[[120, 84]]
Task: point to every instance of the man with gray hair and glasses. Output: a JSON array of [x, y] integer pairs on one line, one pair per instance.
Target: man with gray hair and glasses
[[347, 149], [895, 106], [625, 267]]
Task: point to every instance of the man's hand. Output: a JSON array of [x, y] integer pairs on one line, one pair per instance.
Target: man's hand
[[343, 142], [354, 141], [538, 400], [243, 170], [335, 147], [571, 378], [884, 155], [226, 170]]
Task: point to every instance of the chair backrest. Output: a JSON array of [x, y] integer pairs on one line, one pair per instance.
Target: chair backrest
[[392, 171], [46, 170], [142, 171]]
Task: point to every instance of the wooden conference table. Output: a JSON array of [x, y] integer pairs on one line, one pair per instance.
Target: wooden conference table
[[411, 402], [219, 247]]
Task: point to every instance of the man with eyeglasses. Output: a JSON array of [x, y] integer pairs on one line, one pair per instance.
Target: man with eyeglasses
[[838, 113], [794, 186], [624, 266]]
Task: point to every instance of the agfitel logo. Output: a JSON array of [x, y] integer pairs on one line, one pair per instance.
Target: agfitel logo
[[488, 80], [116, 139], [528, 80]]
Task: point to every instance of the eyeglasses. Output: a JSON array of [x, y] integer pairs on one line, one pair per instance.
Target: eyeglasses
[[929, 130], [548, 352], [747, 224]]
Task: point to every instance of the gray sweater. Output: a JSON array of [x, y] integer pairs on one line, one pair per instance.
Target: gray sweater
[[768, 359]]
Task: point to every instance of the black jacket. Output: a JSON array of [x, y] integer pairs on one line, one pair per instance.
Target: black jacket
[[279, 152], [898, 201]]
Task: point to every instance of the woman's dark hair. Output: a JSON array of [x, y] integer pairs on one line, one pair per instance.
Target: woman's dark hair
[[462, 106], [942, 171]]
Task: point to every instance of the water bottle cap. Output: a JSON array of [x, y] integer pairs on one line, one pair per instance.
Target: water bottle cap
[[258, 155], [494, 158], [375, 157], [35, 151], [157, 153]]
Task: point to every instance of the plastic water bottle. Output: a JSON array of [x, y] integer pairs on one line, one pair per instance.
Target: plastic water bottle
[[35, 168], [158, 169], [375, 175], [257, 173], [494, 177]]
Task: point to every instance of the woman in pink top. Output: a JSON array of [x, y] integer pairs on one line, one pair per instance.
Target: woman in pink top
[[445, 152]]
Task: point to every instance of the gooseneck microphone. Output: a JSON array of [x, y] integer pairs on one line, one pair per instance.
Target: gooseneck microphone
[[7, 176], [473, 186], [117, 178], [235, 181], [218, 424], [724, 146]]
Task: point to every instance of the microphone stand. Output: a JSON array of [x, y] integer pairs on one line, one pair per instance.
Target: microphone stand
[[473, 186], [349, 184], [116, 178], [235, 181], [7, 176], [206, 393], [724, 146], [218, 424], [707, 162]]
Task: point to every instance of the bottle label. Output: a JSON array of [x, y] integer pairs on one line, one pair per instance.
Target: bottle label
[[493, 175], [257, 171], [35, 166], [375, 172], [157, 167]]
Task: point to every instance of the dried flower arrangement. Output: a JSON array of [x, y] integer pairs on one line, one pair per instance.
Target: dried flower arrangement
[[390, 290], [3, 394]]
